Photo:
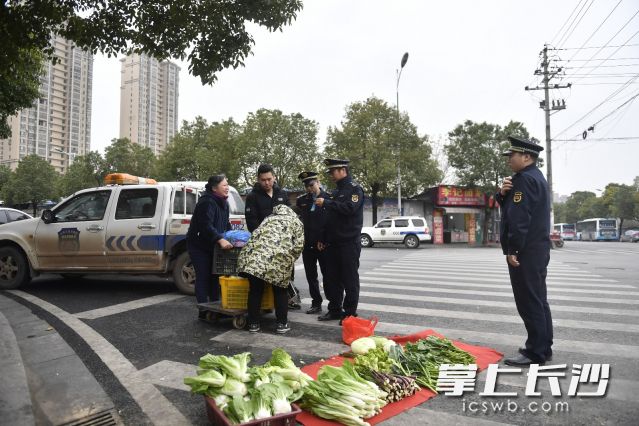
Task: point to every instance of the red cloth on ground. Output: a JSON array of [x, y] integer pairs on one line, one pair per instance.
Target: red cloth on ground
[[483, 355]]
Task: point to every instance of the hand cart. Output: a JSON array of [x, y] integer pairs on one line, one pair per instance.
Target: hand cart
[[233, 291]]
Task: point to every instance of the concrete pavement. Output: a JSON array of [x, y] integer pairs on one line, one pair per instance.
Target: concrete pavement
[[43, 380]]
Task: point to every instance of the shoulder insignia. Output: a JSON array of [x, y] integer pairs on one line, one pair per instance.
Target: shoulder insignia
[[355, 198], [518, 197]]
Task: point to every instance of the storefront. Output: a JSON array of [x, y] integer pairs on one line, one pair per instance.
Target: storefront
[[458, 214]]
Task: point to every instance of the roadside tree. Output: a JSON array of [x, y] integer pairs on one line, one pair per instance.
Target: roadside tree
[[210, 34], [372, 137], [86, 171], [475, 152], [126, 157], [287, 142], [33, 182], [200, 150]]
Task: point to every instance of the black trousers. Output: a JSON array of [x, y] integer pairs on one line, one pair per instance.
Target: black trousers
[[528, 281], [311, 257], [256, 291], [207, 285], [341, 282]]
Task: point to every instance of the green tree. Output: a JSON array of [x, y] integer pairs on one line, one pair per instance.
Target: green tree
[[593, 207], [33, 182], [210, 34], [5, 175], [370, 136], [475, 152], [574, 205], [19, 83], [200, 150], [86, 171], [623, 204], [559, 211], [287, 142], [124, 156]]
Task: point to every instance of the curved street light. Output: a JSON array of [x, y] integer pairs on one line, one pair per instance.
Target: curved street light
[[399, 175]]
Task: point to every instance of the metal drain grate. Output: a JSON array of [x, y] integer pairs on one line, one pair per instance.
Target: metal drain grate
[[105, 418]]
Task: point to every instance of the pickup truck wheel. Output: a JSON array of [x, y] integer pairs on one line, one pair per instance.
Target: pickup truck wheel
[[184, 274], [411, 241], [14, 268], [365, 241]]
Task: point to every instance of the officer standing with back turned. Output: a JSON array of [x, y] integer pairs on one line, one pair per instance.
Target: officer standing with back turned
[[341, 241], [525, 240]]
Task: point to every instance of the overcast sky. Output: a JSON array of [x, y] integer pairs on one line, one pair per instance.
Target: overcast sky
[[468, 60]]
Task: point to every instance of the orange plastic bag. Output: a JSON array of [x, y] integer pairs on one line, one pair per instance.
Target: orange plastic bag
[[354, 327]]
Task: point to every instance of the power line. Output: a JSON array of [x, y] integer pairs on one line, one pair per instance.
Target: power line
[[613, 37], [595, 31], [596, 47], [565, 38], [565, 22], [612, 95], [603, 66], [597, 139], [604, 59]]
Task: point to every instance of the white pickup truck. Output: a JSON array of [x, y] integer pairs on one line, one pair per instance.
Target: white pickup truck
[[115, 229]]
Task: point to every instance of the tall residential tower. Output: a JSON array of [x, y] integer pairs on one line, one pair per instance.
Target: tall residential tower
[[58, 125], [149, 101]]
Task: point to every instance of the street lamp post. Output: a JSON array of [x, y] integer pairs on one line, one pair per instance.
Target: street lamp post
[[399, 175]]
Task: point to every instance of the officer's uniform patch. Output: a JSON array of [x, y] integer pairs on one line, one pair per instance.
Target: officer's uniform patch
[[518, 197], [355, 198]]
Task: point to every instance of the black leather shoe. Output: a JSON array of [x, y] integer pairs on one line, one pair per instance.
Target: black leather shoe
[[314, 310], [520, 361], [548, 357], [329, 316]]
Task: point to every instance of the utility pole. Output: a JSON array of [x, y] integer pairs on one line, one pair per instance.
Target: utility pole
[[548, 73]]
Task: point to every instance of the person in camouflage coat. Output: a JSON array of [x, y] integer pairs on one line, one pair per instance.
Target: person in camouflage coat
[[269, 257]]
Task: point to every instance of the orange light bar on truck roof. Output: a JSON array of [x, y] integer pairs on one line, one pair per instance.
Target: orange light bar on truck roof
[[127, 179]]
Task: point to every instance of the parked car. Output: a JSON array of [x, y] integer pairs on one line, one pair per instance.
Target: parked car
[[631, 235], [407, 230], [11, 215]]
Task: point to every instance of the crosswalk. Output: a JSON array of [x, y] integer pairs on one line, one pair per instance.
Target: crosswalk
[[462, 294], [468, 298]]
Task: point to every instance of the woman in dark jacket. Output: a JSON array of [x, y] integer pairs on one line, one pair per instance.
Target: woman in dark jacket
[[209, 222]]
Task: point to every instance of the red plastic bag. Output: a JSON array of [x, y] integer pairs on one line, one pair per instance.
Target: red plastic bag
[[354, 327]]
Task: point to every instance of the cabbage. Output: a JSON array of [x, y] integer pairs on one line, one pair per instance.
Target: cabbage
[[233, 387], [363, 345]]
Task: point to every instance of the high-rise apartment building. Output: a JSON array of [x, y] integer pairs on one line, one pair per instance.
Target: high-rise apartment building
[[149, 101], [58, 125]]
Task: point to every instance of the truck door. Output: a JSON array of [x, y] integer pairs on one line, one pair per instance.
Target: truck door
[[135, 237], [76, 239]]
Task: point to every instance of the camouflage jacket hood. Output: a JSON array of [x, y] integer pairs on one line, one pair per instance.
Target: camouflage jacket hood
[[273, 248]]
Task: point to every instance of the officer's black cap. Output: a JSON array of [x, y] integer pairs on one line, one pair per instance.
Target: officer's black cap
[[307, 176], [523, 146], [333, 163]]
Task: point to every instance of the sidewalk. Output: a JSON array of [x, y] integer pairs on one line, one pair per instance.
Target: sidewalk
[[43, 381]]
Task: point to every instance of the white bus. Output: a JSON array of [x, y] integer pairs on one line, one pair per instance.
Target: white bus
[[566, 230], [597, 229]]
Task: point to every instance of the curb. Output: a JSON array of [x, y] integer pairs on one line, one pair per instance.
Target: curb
[[43, 380]]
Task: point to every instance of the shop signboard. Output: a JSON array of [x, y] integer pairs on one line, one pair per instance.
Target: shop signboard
[[438, 226], [471, 225], [448, 195]]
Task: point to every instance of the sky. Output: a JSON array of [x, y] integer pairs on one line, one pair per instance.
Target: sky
[[468, 60]]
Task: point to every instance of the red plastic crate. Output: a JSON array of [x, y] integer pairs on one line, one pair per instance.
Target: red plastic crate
[[217, 417]]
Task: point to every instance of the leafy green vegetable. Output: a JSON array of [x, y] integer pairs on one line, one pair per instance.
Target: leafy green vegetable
[[278, 394], [239, 410], [362, 345], [233, 387], [235, 366]]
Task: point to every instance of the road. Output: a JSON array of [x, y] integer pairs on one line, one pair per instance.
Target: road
[[139, 338]]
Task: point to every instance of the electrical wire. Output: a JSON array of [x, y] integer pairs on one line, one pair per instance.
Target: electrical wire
[[595, 31], [565, 22], [565, 38], [596, 47]]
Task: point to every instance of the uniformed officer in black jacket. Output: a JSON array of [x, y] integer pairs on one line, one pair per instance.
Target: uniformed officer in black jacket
[[341, 240], [263, 197], [314, 220], [525, 240], [259, 204]]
